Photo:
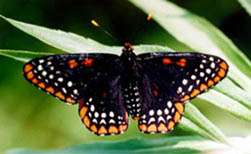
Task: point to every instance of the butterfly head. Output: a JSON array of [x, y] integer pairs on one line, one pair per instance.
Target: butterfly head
[[128, 54], [128, 48]]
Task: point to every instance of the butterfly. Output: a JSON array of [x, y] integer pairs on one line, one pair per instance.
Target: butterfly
[[150, 87]]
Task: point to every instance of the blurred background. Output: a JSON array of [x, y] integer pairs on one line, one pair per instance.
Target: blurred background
[[32, 119]]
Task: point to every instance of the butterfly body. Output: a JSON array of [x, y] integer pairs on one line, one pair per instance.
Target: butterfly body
[[150, 87]]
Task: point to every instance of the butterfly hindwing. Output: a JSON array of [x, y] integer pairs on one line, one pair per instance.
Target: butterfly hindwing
[[68, 77], [103, 111], [168, 80], [159, 112]]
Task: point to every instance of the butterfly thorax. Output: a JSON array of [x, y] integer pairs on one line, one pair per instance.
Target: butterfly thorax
[[130, 78]]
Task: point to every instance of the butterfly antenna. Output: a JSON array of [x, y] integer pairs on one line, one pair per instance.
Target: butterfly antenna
[[149, 17], [96, 24]]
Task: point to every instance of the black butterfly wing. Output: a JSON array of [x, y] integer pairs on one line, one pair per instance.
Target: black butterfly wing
[[170, 79], [103, 111], [69, 76], [88, 79]]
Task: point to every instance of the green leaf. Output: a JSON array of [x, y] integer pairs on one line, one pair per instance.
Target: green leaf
[[247, 5], [169, 145], [193, 114], [228, 88], [73, 43], [187, 125], [23, 56], [68, 42], [134, 145], [200, 35], [227, 104]]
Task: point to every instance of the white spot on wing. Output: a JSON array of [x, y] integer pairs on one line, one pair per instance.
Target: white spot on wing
[[40, 67], [193, 77], [92, 108], [151, 112], [111, 114], [41, 61], [184, 81], [60, 79], [208, 70], [159, 112], [169, 104], [202, 74], [103, 115]]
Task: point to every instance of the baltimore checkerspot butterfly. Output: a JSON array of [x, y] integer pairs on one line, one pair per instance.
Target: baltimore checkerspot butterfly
[[151, 87]]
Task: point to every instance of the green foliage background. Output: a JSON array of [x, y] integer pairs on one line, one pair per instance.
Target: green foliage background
[[32, 119]]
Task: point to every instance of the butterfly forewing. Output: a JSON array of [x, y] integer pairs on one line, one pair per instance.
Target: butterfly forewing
[[69, 77], [168, 80]]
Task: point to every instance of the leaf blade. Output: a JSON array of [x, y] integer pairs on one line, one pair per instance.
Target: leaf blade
[[193, 114], [68, 42], [23, 56], [246, 4]]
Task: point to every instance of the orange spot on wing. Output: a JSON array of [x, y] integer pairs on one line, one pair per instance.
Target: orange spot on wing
[[30, 75], [136, 118], [170, 125], [152, 128], [72, 63], [70, 100], [41, 85], [216, 79], [177, 117], [221, 73], [122, 128], [223, 65], [27, 68], [83, 111], [126, 117], [162, 127], [87, 121], [203, 87], [113, 129], [167, 61], [50, 90], [35, 81], [179, 107], [195, 92], [210, 83], [142, 127], [94, 128], [182, 62], [184, 98], [155, 92], [88, 62], [60, 95], [102, 130]]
